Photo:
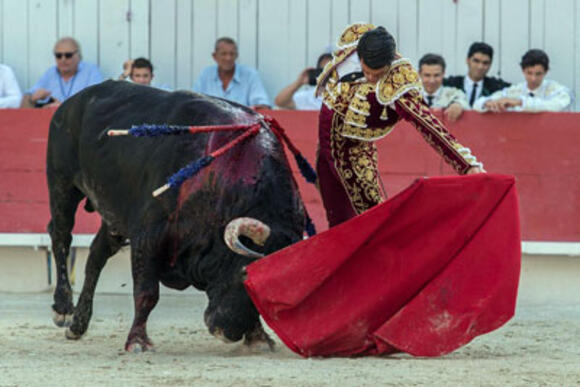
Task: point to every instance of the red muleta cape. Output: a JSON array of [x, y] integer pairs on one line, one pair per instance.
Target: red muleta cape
[[424, 273]]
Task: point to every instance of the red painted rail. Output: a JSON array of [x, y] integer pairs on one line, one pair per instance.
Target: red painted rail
[[539, 149]]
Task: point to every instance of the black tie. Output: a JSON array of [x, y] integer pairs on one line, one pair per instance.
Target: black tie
[[430, 100], [473, 92], [531, 94]]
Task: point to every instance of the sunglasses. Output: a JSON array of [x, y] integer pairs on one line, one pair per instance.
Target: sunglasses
[[67, 55]]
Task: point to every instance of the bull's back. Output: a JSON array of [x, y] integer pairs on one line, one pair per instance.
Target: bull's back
[[118, 174]]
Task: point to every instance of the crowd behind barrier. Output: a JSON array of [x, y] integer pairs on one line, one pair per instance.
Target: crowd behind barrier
[[237, 82], [537, 148]]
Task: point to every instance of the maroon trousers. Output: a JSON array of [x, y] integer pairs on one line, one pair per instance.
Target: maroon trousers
[[336, 201]]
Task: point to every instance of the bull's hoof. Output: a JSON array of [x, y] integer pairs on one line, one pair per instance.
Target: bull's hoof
[[71, 335], [61, 320], [260, 340], [219, 334], [139, 345]]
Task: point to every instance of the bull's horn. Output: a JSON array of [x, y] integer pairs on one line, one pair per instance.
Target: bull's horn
[[252, 228]]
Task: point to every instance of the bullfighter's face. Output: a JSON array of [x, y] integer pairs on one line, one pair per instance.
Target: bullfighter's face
[[373, 75]]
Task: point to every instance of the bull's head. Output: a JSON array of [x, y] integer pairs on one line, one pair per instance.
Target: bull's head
[[231, 314]]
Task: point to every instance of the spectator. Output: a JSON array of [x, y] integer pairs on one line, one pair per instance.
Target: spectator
[[68, 77], [232, 81], [138, 71], [291, 98], [476, 84], [453, 101], [532, 95], [10, 93]]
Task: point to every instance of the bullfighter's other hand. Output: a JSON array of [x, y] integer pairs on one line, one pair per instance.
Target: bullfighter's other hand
[[474, 170]]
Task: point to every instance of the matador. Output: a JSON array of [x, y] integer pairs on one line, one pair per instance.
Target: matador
[[367, 88]]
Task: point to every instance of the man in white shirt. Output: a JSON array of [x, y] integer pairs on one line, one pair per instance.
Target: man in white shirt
[[534, 95], [452, 100], [299, 94], [10, 94]]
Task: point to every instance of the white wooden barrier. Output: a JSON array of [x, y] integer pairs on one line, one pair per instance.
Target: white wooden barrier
[[281, 37]]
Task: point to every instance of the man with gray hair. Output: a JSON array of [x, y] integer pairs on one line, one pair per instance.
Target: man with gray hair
[[230, 80], [61, 81]]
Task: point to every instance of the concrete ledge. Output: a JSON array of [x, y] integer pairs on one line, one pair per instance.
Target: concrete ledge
[[31, 270], [551, 248], [544, 277], [84, 240], [40, 240]]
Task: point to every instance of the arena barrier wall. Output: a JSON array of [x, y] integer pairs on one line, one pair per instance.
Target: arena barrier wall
[[539, 149]]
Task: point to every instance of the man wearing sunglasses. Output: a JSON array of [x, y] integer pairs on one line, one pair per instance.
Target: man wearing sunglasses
[[69, 76]]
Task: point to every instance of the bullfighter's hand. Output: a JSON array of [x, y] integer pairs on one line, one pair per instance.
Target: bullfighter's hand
[[474, 170]]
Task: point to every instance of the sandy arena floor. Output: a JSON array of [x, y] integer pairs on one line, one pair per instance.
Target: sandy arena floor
[[540, 346]]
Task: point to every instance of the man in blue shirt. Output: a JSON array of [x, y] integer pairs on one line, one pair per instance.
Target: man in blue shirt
[[69, 76], [232, 81]]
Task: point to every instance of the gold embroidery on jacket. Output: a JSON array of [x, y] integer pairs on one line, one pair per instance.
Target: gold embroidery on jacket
[[358, 109], [357, 165], [400, 78], [346, 44], [455, 154], [366, 134], [353, 33]]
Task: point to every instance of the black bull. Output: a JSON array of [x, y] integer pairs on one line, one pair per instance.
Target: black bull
[[176, 238]]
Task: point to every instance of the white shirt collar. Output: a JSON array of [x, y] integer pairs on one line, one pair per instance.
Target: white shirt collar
[[435, 94], [536, 91], [468, 82], [349, 65]]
